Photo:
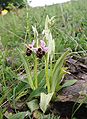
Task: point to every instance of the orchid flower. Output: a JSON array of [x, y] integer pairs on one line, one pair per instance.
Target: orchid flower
[[30, 48]]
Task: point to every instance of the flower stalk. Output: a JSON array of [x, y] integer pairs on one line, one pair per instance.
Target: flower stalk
[[35, 70]]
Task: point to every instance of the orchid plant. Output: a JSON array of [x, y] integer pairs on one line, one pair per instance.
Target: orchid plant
[[44, 83]]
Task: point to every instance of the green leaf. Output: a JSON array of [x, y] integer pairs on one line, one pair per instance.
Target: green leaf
[[44, 101], [21, 87], [33, 105], [30, 81], [20, 115], [41, 79], [57, 70], [37, 92], [61, 75], [69, 83], [1, 115]]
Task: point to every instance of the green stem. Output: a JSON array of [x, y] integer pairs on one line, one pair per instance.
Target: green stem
[[47, 76], [36, 80]]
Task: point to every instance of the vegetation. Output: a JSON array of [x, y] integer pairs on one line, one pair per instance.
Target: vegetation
[[34, 46]]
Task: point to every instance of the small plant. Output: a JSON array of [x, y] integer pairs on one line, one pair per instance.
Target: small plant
[[48, 84]]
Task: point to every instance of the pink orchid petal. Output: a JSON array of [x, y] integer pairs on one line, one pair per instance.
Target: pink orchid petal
[[32, 44], [42, 43]]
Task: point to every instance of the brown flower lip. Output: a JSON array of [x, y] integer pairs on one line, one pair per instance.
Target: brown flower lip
[[40, 53], [28, 52]]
